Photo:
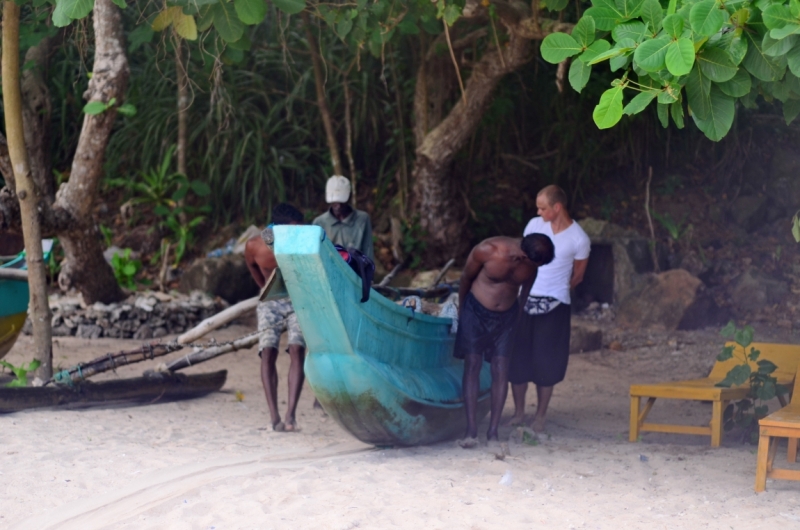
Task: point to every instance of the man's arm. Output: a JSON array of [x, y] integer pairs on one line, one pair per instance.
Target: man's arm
[[473, 267], [578, 270], [260, 260], [250, 250], [525, 290]]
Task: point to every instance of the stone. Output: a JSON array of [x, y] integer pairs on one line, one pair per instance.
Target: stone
[[705, 311], [147, 303], [782, 184], [753, 290], [89, 331], [660, 300], [584, 337], [144, 332], [227, 277], [691, 263], [160, 332], [145, 239], [750, 212], [61, 331]]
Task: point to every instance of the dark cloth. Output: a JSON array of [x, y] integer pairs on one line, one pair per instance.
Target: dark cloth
[[354, 231], [483, 331], [540, 345]]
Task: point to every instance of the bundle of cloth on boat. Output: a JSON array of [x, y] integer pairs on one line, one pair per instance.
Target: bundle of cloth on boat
[[447, 309], [362, 265]]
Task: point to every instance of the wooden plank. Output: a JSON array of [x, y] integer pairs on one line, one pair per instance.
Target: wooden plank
[[791, 452], [633, 432], [716, 424], [647, 408], [761, 462], [784, 474], [14, 274], [219, 320], [151, 388], [785, 356], [777, 430], [676, 429]]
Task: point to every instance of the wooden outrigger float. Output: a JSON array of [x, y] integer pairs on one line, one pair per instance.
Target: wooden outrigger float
[[383, 372]]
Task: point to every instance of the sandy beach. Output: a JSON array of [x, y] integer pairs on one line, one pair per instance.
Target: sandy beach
[[212, 463]]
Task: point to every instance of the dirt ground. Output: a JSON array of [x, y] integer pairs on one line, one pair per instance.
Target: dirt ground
[[211, 463]]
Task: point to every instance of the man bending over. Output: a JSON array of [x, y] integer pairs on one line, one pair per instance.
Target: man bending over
[[494, 272], [275, 316]]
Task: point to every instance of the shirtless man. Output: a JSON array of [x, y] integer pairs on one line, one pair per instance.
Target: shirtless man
[[487, 295], [275, 316]]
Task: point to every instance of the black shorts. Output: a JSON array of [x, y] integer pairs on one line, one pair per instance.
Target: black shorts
[[541, 347], [484, 332]]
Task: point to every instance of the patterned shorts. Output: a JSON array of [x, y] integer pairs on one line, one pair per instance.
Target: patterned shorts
[[275, 317]]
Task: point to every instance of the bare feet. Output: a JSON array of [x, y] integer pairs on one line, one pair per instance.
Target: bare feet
[[468, 442], [291, 426], [517, 420], [538, 424], [279, 427], [498, 449]]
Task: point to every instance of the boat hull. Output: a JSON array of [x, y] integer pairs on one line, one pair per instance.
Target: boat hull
[[13, 311], [383, 372]]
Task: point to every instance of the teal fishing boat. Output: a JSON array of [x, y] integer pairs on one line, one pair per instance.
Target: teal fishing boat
[[383, 372], [14, 297]]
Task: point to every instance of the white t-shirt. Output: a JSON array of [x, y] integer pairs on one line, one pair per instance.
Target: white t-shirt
[[570, 245]]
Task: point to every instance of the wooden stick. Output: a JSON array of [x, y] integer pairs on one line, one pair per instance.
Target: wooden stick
[[218, 320], [389, 277], [650, 220], [206, 354], [14, 274], [442, 273]]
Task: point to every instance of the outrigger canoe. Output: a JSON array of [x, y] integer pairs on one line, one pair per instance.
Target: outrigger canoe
[[385, 373], [14, 296]]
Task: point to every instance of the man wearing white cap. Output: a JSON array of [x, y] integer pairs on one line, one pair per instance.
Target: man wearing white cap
[[345, 226]]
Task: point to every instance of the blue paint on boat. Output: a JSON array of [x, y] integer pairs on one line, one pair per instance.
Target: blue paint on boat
[[14, 297], [383, 372]]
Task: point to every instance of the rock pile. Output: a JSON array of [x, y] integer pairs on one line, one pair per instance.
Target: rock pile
[[142, 316]]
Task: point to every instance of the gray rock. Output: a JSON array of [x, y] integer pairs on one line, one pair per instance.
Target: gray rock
[[753, 290], [226, 277], [691, 263], [160, 332], [144, 332], [751, 212], [660, 300], [89, 331], [61, 331], [783, 184], [584, 337]]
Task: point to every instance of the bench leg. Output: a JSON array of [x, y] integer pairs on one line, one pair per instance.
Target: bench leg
[[791, 454], [716, 424], [773, 446], [761, 463], [634, 427]]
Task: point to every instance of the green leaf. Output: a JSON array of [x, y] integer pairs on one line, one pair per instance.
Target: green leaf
[[720, 117], [290, 7], [227, 22], [610, 54], [743, 337], [728, 330], [651, 55], [766, 392], [754, 354], [604, 18], [640, 102], [776, 48], [739, 375], [60, 18], [738, 49], [127, 109], [707, 17], [791, 108], [739, 85], [785, 31], [579, 73], [793, 60], [583, 32], [77, 9], [663, 114], [120, 3], [629, 8], [201, 189], [608, 111], [716, 64], [669, 95], [727, 353], [250, 11], [698, 90], [556, 5], [766, 367], [777, 16], [652, 14], [673, 25], [630, 30], [760, 65], [94, 108], [680, 56], [557, 47], [343, 27], [451, 13], [598, 47], [676, 111], [794, 8]]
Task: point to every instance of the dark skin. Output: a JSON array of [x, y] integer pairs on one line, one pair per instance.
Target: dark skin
[[494, 272], [341, 210], [261, 262]]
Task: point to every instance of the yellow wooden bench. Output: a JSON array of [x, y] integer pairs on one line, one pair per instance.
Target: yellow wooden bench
[[786, 357], [784, 423]]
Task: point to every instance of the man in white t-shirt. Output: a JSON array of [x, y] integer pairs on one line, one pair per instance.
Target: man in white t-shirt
[[541, 337]]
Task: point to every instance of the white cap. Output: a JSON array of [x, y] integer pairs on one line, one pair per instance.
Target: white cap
[[337, 189]]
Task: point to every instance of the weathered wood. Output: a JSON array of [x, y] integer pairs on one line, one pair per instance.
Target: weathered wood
[[14, 274], [218, 320], [442, 273], [206, 354], [783, 423], [150, 388], [389, 277]]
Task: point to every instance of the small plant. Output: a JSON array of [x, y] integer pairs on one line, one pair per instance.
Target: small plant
[[745, 413], [675, 229], [108, 235], [94, 108], [125, 268], [670, 185], [20, 372], [413, 242], [54, 259]]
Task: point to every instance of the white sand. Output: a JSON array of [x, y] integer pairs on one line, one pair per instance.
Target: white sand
[[211, 462]]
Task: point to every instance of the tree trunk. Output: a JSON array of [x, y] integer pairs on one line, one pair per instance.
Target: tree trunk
[[183, 104], [36, 110], [84, 266], [29, 195], [322, 101]]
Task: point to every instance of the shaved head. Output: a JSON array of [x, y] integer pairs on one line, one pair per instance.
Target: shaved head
[[554, 195]]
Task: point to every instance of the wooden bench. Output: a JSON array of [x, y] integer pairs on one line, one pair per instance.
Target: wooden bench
[[784, 423], [786, 357]]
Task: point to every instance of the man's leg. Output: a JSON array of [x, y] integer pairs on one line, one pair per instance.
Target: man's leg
[[543, 395], [519, 391], [471, 382], [499, 393], [269, 378], [297, 355]]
